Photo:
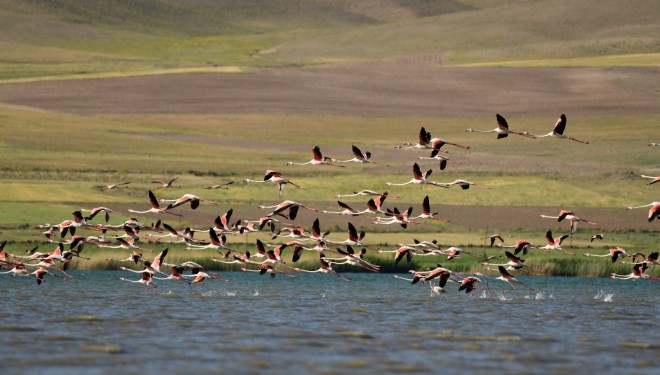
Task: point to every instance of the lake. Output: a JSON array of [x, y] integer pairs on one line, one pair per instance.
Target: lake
[[96, 324]]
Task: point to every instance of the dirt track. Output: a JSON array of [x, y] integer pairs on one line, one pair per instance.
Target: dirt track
[[398, 87]]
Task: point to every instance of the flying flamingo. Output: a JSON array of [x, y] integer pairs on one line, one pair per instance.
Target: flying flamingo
[[493, 238], [134, 257], [651, 259], [363, 192], [573, 219], [598, 236], [554, 243], [276, 177], [325, 268], [146, 279], [396, 217], [121, 185], [419, 178], [350, 258], [17, 270], [502, 129], [558, 131], [360, 158], [424, 141], [463, 184], [520, 245], [287, 205], [347, 210], [653, 144], [424, 276], [469, 284], [637, 273], [613, 253], [267, 268], [97, 210], [514, 263], [219, 186], [653, 179], [41, 272], [71, 225], [354, 239], [442, 160], [155, 207], [506, 277], [216, 242], [426, 212], [166, 184], [654, 211], [187, 198], [403, 251], [318, 159]]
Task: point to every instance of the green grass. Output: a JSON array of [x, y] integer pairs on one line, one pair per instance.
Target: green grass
[[73, 38]]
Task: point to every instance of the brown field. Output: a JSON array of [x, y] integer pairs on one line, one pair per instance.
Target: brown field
[[393, 87]]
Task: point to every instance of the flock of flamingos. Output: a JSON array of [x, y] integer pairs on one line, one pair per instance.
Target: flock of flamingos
[[268, 259]]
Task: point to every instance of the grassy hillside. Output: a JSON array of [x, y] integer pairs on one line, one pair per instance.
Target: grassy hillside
[[42, 38]]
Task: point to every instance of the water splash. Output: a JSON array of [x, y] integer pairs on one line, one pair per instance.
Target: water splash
[[502, 297], [256, 292], [230, 294], [604, 296]]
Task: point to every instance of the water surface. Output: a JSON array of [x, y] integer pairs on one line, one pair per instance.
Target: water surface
[[96, 324]]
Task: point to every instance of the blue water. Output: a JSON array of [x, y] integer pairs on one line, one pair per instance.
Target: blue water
[[96, 324]]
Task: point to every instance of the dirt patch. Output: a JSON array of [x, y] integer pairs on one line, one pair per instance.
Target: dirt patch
[[395, 87]]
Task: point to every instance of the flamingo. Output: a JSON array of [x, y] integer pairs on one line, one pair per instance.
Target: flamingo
[[424, 141], [463, 184], [121, 185], [653, 179], [469, 284], [184, 235], [71, 225], [276, 177], [514, 263], [419, 178], [267, 268], [520, 245], [155, 207], [354, 239], [325, 268], [41, 272], [287, 205], [637, 273], [493, 238], [442, 160], [347, 210], [242, 259], [176, 274], [455, 252], [502, 129], [216, 242], [363, 192], [360, 158], [554, 243], [573, 219], [653, 144], [396, 217], [613, 253], [654, 211], [437, 143], [403, 251], [48, 263], [318, 159], [558, 131], [426, 211], [652, 258], [219, 186], [424, 276], [166, 184], [350, 258], [598, 236], [97, 210], [187, 198], [17, 270], [134, 257], [146, 279], [506, 277]]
